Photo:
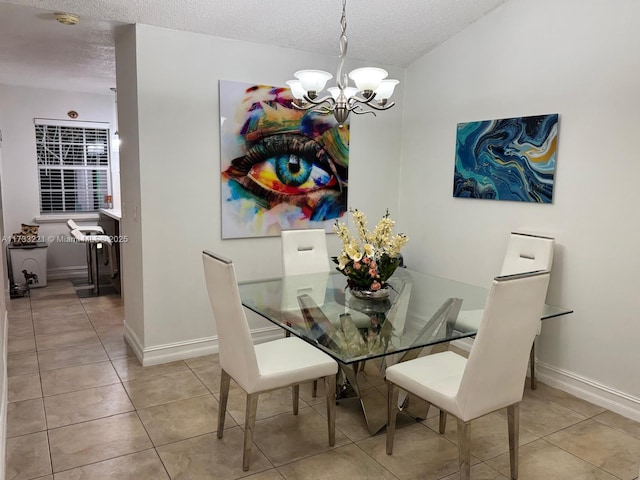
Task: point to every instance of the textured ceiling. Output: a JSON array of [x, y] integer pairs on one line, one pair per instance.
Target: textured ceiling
[[38, 51]]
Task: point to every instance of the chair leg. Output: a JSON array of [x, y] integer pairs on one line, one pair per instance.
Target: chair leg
[[392, 412], [225, 379], [330, 387], [443, 422], [314, 390], [464, 449], [249, 424], [513, 419], [295, 393], [532, 363]]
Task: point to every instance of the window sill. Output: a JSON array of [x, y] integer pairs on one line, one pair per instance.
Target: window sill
[[63, 218]]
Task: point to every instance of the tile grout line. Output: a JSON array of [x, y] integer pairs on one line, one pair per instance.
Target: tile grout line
[[573, 454], [545, 437], [135, 409], [46, 421]]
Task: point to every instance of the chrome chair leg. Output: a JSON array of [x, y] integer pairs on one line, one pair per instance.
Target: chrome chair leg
[[392, 412], [443, 422], [249, 425], [464, 449], [532, 364], [225, 380], [513, 419], [295, 393], [330, 387]]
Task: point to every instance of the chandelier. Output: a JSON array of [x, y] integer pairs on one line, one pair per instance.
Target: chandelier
[[372, 90]]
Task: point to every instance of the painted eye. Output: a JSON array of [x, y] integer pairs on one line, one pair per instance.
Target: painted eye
[[289, 169], [290, 175], [286, 164]]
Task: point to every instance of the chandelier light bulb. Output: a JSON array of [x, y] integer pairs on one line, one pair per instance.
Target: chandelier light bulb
[[313, 80], [368, 78], [296, 89], [348, 92], [386, 88]]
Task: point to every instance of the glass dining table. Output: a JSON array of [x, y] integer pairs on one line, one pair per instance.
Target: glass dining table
[[419, 313]]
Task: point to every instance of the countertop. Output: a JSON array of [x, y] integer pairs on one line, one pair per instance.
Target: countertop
[[111, 212]]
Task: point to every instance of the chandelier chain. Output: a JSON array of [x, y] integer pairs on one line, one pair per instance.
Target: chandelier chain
[[344, 43]]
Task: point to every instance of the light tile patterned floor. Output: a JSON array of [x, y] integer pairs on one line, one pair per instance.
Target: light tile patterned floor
[[82, 407]]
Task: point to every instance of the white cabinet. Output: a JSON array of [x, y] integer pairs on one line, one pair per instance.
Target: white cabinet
[[31, 259]]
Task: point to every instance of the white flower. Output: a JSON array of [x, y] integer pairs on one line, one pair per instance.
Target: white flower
[[369, 250], [353, 251], [380, 247], [343, 261]]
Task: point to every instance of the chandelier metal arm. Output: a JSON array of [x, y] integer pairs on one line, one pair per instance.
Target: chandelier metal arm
[[358, 110], [309, 103], [357, 101], [355, 104]]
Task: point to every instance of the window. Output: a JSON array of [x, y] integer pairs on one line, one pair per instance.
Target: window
[[73, 165]]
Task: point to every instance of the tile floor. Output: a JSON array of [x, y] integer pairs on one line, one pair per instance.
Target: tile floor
[[81, 407]]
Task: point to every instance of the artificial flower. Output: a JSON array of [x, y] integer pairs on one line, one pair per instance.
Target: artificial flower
[[378, 249]]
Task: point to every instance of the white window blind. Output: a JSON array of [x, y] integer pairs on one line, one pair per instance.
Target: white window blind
[[73, 165]]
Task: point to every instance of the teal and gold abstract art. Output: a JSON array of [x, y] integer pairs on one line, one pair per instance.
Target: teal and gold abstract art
[[507, 159]]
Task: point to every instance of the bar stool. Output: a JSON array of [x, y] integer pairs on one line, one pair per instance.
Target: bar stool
[[91, 229], [93, 243]]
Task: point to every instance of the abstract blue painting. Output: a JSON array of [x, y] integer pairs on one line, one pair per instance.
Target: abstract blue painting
[[507, 159]]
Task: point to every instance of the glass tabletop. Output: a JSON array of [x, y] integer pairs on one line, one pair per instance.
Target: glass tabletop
[[421, 310]]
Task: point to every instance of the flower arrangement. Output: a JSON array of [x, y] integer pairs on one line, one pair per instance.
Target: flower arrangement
[[371, 257]]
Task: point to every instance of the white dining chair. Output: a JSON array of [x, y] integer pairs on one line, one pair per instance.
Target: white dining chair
[[491, 378], [281, 363], [525, 253], [304, 251]]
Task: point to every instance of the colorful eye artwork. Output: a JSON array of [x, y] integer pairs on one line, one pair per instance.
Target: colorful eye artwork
[[281, 168], [508, 159]]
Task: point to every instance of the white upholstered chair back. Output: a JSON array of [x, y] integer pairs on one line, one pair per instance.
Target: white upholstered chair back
[[304, 251], [237, 354], [314, 285], [527, 253], [496, 369]]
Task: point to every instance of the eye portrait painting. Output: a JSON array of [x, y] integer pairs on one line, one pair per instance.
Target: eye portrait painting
[[281, 168]]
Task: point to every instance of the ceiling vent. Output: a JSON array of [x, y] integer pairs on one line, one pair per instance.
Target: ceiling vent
[[67, 18]]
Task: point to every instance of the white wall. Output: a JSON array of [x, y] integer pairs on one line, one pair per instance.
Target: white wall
[[18, 107], [131, 271], [176, 200], [4, 381], [580, 59]]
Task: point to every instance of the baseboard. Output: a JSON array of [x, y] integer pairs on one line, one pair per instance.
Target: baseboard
[[4, 396], [134, 342], [198, 347], [463, 344], [578, 386], [586, 389]]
